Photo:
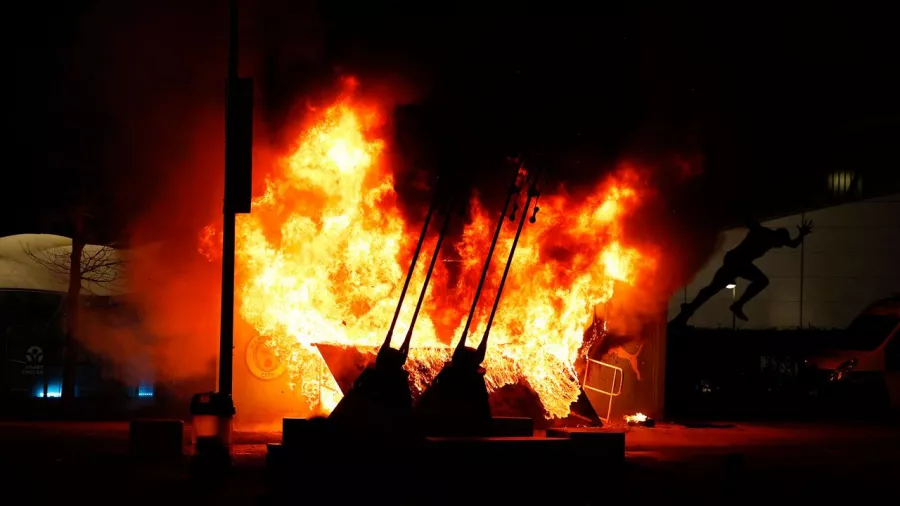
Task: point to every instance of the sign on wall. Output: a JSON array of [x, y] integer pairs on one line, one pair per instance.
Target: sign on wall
[[263, 364]]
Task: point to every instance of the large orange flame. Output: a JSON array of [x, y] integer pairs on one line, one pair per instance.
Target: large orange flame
[[322, 256]]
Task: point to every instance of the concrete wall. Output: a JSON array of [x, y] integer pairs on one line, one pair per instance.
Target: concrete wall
[[851, 259]]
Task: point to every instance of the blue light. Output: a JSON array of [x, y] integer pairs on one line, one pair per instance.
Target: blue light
[[54, 390], [145, 390]]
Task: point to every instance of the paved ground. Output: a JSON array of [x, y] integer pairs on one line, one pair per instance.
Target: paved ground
[[739, 464]]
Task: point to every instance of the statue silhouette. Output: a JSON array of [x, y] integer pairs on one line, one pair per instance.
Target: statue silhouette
[[738, 263]]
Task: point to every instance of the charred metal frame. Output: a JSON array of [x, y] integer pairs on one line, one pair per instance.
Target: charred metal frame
[[533, 193], [386, 345], [456, 403], [404, 348], [514, 189], [395, 359]]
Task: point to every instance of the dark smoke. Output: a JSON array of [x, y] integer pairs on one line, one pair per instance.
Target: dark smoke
[[578, 97]]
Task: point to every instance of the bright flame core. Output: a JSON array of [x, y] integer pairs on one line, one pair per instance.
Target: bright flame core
[[323, 255], [636, 418]]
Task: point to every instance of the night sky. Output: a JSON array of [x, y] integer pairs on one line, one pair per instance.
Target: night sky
[[122, 104]]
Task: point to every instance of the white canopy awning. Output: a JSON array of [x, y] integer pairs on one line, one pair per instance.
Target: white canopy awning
[[40, 262]]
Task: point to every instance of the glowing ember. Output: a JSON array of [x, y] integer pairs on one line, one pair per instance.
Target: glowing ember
[[322, 257], [635, 418]]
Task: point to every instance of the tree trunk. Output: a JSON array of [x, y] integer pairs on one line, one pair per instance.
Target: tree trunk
[[73, 297]]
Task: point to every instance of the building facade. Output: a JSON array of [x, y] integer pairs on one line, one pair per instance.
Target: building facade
[[851, 259]]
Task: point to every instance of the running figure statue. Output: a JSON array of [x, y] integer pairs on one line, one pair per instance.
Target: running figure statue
[[739, 264]]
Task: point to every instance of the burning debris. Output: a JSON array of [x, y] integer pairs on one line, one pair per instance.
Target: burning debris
[[319, 257], [639, 419]]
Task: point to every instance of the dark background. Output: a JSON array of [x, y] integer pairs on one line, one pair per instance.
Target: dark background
[[121, 104]]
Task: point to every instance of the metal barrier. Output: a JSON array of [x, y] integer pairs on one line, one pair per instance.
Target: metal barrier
[[618, 379], [319, 390]]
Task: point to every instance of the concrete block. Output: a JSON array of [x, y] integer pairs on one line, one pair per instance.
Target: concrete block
[[497, 466], [293, 431], [275, 456], [496, 455], [508, 426]]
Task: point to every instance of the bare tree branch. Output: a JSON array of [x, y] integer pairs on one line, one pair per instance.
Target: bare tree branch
[[100, 265], [55, 262]]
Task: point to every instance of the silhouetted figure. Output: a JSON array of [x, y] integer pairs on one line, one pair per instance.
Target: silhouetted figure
[[738, 263]]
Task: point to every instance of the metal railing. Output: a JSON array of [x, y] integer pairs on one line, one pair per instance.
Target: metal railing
[[615, 387]]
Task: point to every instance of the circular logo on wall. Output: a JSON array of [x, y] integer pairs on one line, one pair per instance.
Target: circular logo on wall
[[34, 355], [263, 364]]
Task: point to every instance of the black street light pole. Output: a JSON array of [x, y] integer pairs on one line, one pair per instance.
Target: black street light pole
[[213, 412], [238, 186]]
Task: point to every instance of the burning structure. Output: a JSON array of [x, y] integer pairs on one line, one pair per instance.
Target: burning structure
[[321, 256], [380, 398]]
